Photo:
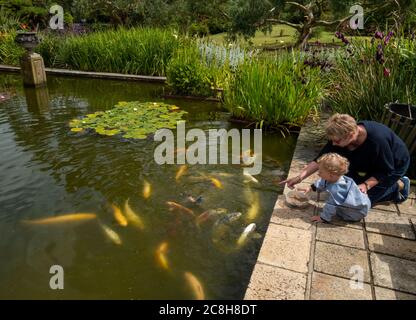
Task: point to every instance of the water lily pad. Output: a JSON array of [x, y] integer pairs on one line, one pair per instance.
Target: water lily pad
[[135, 120]]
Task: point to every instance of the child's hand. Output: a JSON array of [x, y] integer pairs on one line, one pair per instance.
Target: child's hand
[[316, 219], [305, 190]]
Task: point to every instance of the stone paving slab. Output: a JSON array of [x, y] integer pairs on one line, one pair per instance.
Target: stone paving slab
[[389, 224], [386, 206], [342, 223], [340, 235], [392, 246], [338, 260], [271, 283], [286, 247], [394, 273], [408, 207], [326, 287], [387, 294], [300, 219]]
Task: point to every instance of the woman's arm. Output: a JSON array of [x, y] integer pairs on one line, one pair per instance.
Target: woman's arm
[[310, 169]]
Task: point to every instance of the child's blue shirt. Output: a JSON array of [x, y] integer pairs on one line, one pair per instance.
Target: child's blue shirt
[[345, 199]]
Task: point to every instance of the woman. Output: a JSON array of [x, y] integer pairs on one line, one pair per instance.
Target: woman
[[378, 158]]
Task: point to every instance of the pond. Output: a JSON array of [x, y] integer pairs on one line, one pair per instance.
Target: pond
[[46, 170]]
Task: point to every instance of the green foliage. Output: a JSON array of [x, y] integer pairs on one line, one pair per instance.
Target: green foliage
[[10, 52], [361, 85], [130, 119], [198, 29], [8, 21], [134, 51], [275, 91], [188, 74]]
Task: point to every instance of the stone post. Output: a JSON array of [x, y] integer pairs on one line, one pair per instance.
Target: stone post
[[32, 65]]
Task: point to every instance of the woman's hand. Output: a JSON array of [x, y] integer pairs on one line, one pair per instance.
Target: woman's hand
[[291, 182]]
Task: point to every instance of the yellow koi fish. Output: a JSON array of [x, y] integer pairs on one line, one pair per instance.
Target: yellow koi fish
[[217, 183], [195, 286], [73, 217], [180, 172], [253, 211], [161, 255], [111, 234], [147, 190], [173, 205], [118, 215], [132, 216]]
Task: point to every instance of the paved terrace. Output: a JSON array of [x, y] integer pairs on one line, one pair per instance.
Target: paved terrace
[[302, 260]]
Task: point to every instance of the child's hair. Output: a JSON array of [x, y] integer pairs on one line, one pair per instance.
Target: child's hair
[[340, 126], [334, 163]]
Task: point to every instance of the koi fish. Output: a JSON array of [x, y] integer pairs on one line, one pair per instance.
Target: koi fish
[[228, 219], [217, 183], [180, 150], [147, 189], [132, 216], [111, 234], [205, 216], [253, 211], [180, 172], [197, 200], [161, 255], [173, 205], [195, 286], [248, 157], [245, 234], [118, 215], [249, 176], [73, 217]]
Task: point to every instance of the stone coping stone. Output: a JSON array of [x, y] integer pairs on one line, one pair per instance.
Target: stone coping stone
[[272, 283], [89, 74], [286, 247]]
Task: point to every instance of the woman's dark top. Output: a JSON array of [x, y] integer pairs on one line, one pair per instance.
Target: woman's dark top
[[383, 155]]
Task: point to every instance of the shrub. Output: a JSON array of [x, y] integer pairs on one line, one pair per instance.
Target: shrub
[[188, 74], [274, 91], [372, 75], [10, 52]]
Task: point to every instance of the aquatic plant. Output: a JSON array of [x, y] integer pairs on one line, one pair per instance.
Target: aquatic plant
[[274, 91], [134, 119]]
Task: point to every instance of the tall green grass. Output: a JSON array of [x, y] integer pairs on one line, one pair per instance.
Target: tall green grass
[[10, 52], [143, 51], [275, 90], [360, 86]]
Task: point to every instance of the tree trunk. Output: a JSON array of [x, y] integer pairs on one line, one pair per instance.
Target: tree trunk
[[304, 36]]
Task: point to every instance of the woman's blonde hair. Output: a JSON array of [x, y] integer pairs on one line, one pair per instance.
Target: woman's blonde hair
[[334, 163], [340, 126]]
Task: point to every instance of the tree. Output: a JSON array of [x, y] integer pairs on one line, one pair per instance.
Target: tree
[[250, 15]]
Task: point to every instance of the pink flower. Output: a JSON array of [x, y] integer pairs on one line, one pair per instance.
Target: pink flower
[[387, 72]]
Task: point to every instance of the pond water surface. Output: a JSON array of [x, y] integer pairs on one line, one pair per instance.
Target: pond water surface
[[46, 171]]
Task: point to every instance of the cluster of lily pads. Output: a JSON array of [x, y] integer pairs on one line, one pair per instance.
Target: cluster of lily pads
[[133, 119]]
